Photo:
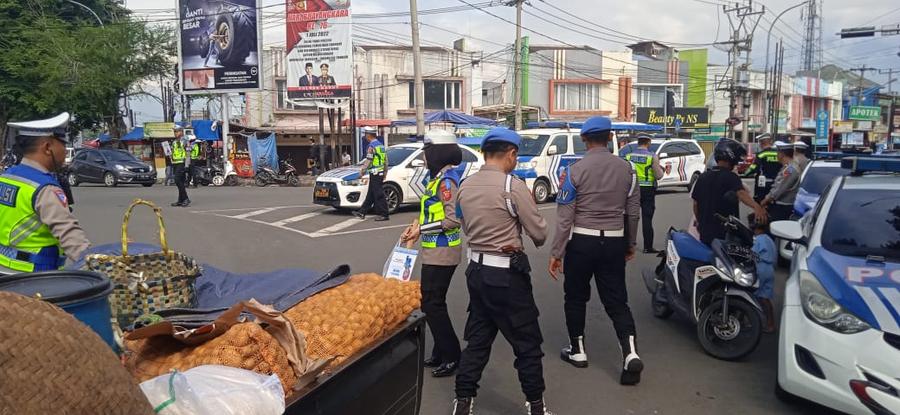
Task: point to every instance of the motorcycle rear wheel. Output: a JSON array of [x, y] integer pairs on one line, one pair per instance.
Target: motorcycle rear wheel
[[293, 181], [262, 180], [732, 339], [218, 180]]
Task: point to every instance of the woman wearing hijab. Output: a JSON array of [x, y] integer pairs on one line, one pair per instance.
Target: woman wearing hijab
[[439, 229]]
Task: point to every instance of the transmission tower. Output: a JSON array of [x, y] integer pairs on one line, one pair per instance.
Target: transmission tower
[[812, 35]]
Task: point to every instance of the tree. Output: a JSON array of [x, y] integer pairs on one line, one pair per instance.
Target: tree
[[57, 58]]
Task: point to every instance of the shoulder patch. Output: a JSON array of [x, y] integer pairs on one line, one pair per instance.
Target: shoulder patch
[[61, 195], [446, 195], [8, 194]]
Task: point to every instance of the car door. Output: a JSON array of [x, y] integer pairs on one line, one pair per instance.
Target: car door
[[695, 159], [471, 163], [671, 161], [94, 166], [79, 164], [413, 176], [559, 143]]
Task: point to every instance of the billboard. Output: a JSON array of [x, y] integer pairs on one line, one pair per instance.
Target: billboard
[[320, 51], [219, 46], [681, 117]]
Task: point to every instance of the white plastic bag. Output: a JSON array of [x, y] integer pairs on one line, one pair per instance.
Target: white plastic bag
[[400, 263], [215, 390]]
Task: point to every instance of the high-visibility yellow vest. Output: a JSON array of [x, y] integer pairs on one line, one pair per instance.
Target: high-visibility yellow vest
[[379, 159], [643, 167], [178, 153], [26, 243], [431, 210], [195, 151]]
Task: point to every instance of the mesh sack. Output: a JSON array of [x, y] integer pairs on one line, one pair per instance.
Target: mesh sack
[[343, 320], [244, 346]]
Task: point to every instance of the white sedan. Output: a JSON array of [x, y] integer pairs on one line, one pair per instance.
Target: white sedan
[[839, 340], [344, 188]]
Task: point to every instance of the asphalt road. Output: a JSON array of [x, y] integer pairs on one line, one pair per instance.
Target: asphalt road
[[249, 229]]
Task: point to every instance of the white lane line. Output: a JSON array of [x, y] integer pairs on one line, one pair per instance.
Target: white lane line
[[254, 213], [335, 228], [297, 218], [254, 208], [285, 228], [364, 230]]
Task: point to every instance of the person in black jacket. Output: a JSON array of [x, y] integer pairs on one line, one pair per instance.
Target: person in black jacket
[[765, 167]]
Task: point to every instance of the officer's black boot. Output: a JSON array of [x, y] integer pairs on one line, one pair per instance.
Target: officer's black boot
[[463, 406], [574, 353], [537, 408], [631, 362]]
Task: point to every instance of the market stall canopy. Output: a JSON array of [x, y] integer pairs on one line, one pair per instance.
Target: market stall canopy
[[206, 130], [448, 117], [471, 141], [105, 137], [137, 134]]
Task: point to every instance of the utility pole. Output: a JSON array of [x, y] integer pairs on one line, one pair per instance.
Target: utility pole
[[743, 26], [862, 74], [891, 79], [417, 68], [517, 67]]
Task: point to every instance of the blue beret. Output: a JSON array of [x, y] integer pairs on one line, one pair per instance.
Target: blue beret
[[596, 125], [502, 134]]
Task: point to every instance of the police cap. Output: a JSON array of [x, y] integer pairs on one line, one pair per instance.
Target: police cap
[[369, 130], [440, 137], [800, 145], [764, 137], [53, 127], [504, 135], [782, 145], [596, 125]]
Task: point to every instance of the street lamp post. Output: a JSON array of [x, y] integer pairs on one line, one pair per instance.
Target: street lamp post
[[88, 9], [765, 121]]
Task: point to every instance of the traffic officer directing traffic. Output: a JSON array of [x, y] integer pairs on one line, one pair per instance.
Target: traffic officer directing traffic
[[37, 229], [494, 208], [764, 169], [194, 150], [179, 158], [780, 201], [597, 218], [439, 229], [648, 171], [376, 166]]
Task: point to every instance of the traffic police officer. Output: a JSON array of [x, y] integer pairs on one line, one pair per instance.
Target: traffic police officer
[[765, 167], [800, 154], [194, 150], [597, 242], [439, 229], [376, 166], [37, 229], [780, 200], [179, 158], [648, 171], [495, 208]]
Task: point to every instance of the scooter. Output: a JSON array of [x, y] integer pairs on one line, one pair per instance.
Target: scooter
[[711, 286], [266, 176]]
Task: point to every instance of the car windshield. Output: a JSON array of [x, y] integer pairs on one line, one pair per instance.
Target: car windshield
[[119, 156], [624, 151], [397, 155], [819, 177], [864, 222], [532, 145]]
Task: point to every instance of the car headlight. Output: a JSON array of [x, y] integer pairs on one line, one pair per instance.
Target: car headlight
[[744, 279], [354, 182], [120, 167], [823, 310], [526, 165]]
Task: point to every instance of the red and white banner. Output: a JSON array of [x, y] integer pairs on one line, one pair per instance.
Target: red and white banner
[[320, 50]]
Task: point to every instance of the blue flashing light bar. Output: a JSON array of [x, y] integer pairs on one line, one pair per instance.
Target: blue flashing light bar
[[871, 164]]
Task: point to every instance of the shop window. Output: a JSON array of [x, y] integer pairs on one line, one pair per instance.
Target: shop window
[[439, 95], [576, 97]]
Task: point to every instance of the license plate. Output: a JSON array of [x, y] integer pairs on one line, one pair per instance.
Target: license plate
[[321, 192]]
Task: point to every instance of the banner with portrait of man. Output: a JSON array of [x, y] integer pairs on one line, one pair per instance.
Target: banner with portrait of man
[[319, 50]]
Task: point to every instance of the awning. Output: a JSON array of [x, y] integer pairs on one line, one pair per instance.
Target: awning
[[448, 117], [105, 137], [369, 123], [137, 134], [206, 130]]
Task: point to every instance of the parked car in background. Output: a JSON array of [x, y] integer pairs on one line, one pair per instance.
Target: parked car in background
[[110, 167], [683, 160]]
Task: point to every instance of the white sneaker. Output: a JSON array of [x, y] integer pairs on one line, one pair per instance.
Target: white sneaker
[[574, 354]]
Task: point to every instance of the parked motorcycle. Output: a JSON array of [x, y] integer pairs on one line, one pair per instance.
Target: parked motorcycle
[[713, 287], [265, 175]]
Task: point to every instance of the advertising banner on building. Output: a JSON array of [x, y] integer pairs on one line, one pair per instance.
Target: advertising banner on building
[[320, 50], [678, 116], [863, 113], [218, 46]]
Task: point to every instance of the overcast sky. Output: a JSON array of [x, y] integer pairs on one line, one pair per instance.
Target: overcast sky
[[669, 21]]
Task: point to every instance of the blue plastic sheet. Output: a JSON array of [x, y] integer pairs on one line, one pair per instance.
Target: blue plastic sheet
[[263, 152]]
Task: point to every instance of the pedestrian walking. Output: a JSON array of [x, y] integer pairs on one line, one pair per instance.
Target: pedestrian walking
[[494, 208], [376, 165], [439, 229], [780, 200], [596, 243], [646, 166], [765, 167], [179, 158]]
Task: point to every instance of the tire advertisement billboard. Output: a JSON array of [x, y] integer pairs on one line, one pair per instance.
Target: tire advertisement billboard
[[219, 46], [319, 50]]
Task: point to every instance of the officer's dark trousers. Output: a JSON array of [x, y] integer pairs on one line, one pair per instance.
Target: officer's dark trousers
[[603, 260], [760, 193], [648, 208], [179, 173], [435, 283], [501, 300], [375, 196]]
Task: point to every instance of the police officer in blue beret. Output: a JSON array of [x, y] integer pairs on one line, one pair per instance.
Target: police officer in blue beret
[[494, 208], [596, 243]]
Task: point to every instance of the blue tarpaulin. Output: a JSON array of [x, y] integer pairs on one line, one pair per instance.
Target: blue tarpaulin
[[104, 137], [137, 134], [449, 117], [206, 130], [263, 152]]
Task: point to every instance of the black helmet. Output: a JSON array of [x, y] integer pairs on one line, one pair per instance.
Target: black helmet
[[729, 150]]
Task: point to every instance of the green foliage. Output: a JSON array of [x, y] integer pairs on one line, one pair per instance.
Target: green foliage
[[56, 57]]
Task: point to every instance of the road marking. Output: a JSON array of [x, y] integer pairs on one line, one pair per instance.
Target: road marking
[[254, 213], [364, 230], [252, 208], [285, 228], [335, 228], [297, 218]]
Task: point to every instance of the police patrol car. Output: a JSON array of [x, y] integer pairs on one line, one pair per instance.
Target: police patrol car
[[683, 160], [839, 341], [344, 188]]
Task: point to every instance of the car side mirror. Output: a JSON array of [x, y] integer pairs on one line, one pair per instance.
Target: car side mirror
[[663, 155], [552, 151], [788, 230], [417, 163]]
